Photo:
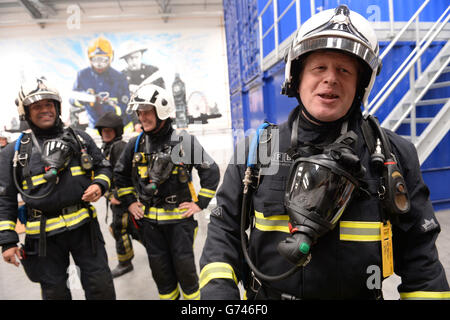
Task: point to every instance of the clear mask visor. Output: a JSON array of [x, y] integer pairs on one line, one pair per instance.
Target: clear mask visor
[[318, 189]]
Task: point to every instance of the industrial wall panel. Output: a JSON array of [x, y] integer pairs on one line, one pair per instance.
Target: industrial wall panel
[[237, 112], [404, 10], [287, 24], [257, 114], [276, 105], [233, 46], [249, 39], [378, 10]]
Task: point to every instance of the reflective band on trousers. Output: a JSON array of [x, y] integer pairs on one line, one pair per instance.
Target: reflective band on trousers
[[425, 295], [170, 296], [217, 270], [360, 231], [160, 214], [192, 296], [272, 223], [63, 221]]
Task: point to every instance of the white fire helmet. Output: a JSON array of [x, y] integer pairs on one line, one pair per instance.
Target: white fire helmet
[[33, 90], [6, 135], [335, 29], [130, 47], [149, 96]]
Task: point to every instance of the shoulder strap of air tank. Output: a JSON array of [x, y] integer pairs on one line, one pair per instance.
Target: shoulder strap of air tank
[[368, 133], [138, 140], [253, 160], [24, 146]]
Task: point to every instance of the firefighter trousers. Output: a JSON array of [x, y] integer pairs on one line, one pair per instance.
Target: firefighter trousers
[[171, 257], [121, 231], [54, 272]]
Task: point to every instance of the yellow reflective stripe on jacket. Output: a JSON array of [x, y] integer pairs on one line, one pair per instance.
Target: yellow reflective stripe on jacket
[[77, 171], [63, 221], [104, 178], [206, 193], [192, 296], [217, 270], [359, 231], [37, 180], [170, 296], [425, 295], [272, 223], [7, 225], [124, 191], [162, 214]]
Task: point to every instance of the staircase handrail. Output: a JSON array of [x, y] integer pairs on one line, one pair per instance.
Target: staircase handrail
[[381, 97], [403, 30]]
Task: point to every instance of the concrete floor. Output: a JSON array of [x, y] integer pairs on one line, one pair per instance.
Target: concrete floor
[[139, 285]]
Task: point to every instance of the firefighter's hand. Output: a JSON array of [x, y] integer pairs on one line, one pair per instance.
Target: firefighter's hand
[[10, 256], [114, 201], [191, 207], [136, 210], [92, 193]]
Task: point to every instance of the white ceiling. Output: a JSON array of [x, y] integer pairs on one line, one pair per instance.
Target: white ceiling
[[42, 12]]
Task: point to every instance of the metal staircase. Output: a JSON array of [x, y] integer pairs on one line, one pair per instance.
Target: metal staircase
[[405, 111]]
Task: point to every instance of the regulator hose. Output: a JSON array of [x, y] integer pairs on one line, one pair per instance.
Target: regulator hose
[[251, 161]]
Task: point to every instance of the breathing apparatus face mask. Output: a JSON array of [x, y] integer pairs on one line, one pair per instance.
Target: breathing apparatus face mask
[[319, 189], [56, 155], [159, 169]]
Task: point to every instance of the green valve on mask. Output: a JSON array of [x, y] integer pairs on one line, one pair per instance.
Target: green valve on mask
[[304, 248]]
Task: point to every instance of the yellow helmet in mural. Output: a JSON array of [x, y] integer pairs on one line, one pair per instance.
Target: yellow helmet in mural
[[100, 47]]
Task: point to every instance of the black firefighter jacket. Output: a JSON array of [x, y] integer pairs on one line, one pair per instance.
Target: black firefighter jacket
[[346, 262], [67, 193], [163, 208]]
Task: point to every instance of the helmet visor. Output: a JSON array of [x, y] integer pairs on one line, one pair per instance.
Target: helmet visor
[[40, 96], [338, 43], [139, 106], [316, 188]]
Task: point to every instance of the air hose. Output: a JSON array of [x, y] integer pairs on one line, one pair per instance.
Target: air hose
[[247, 197]]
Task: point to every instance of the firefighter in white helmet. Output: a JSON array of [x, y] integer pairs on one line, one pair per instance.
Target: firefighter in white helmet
[[341, 204], [58, 172], [4, 139], [154, 180]]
